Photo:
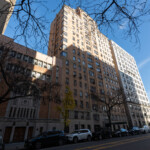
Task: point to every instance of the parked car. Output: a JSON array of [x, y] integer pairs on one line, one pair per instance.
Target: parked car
[[145, 129], [46, 139], [102, 134], [134, 130], [2, 145], [78, 135], [120, 132]]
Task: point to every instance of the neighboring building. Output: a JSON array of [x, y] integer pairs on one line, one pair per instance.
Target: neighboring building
[[88, 66], [137, 103], [6, 9], [24, 117]]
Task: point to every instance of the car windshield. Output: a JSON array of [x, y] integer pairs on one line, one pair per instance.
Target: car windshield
[[75, 132]]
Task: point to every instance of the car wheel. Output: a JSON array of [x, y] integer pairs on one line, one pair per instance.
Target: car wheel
[[100, 137], [60, 142], [89, 138], [75, 140], [119, 134], [38, 145]]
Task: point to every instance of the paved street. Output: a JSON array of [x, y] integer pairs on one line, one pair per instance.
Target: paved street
[[139, 142]]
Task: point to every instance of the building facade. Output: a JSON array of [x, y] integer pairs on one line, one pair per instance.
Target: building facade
[[81, 57], [6, 8], [24, 117], [88, 67], [137, 103]]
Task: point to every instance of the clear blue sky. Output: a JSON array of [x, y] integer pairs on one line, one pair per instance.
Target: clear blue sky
[[141, 55]]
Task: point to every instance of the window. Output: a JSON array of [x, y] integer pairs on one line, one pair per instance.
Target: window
[[74, 74], [31, 60], [90, 66], [67, 81], [98, 69], [87, 105], [88, 47], [74, 51], [89, 59], [75, 92], [63, 54], [48, 78], [75, 82], [81, 104], [86, 94], [81, 94], [83, 62], [76, 114], [40, 63], [100, 83], [85, 86], [79, 60], [64, 40], [79, 67], [67, 71], [80, 84], [43, 77], [19, 55], [98, 64], [74, 58], [74, 66], [25, 58], [65, 33], [92, 81], [89, 54], [35, 61], [84, 69], [49, 66], [12, 53], [91, 73], [99, 76], [83, 56], [67, 62]]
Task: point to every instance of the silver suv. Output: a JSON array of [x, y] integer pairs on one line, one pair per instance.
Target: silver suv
[[78, 135]]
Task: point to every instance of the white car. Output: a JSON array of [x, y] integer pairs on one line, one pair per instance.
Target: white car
[[78, 135], [145, 129]]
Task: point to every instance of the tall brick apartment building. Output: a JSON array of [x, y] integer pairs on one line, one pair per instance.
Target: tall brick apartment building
[[88, 66]]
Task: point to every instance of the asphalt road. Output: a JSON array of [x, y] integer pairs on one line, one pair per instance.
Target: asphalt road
[[138, 142]]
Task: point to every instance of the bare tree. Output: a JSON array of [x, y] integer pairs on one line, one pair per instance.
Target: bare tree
[[110, 102], [110, 15], [16, 81]]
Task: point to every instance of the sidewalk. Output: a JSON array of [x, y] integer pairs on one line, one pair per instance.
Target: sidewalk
[[14, 146]]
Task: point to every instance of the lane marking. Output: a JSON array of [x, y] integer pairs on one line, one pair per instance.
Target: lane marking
[[132, 141], [89, 147]]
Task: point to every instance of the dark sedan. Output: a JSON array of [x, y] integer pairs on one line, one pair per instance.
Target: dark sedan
[[134, 130], [120, 132], [102, 134], [46, 139]]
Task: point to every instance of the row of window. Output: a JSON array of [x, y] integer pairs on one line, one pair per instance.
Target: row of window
[[15, 112], [27, 72], [30, 60]]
